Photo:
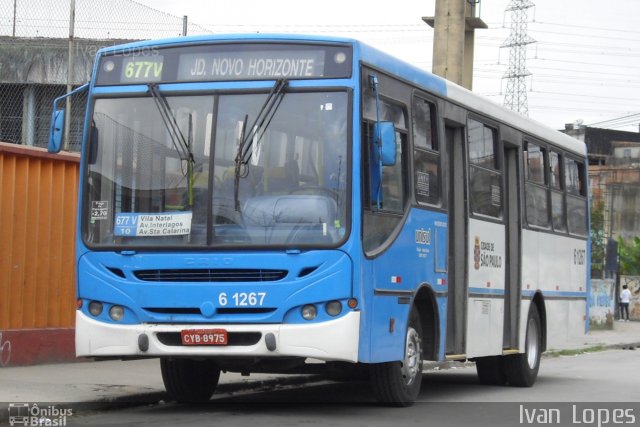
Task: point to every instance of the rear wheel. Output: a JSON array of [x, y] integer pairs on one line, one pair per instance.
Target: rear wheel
[[398, 383], [189, 380], [491, 370], [522, 369]]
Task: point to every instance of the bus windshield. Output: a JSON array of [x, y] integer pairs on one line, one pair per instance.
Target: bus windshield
[[169, 177]]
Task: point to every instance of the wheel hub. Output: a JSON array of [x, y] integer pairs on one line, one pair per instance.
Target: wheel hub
[[412, 360], [532, 343]]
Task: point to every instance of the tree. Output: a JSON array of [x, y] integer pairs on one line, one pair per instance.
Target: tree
[[629, 256], [597, 239]]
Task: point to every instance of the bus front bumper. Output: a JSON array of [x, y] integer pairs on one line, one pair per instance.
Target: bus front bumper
[[334, 340]]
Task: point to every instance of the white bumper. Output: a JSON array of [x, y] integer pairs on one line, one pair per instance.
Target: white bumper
[[333, 340]]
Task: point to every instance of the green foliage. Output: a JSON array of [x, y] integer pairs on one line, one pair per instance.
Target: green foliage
[[575, 352], [598, 240], [629, 257]]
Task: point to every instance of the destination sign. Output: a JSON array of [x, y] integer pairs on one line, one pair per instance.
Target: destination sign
[[251, 65], [142, 69], [226, 62]]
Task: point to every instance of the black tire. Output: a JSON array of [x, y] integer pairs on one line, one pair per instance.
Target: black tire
[[491, 370], [348, 372], [188, 380], [522, 369], [398, 383]]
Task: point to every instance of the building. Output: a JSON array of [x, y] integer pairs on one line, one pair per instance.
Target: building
[[33, 72], [614, 176]]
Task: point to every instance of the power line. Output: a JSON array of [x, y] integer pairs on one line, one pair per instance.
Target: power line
[[590, 96], [590, 28], [586, 63], [617, 119]]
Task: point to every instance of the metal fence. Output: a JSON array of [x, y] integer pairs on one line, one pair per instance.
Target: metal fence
[[40, 38]]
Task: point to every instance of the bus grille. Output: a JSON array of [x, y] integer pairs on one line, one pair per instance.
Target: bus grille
[[211, 275]]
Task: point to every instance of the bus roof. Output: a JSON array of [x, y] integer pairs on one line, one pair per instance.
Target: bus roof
[[466, 98], [392, 65]]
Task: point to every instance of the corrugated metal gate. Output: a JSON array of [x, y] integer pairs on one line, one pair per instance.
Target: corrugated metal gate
[[38, 202]]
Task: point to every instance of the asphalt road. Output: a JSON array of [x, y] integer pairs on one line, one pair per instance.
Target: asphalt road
[[596, 389]]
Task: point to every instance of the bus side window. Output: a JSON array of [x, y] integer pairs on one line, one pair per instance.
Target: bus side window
[[485, 177], [557, 195], [393, 182], [576, 197], [380, 223], [425, 153], [537, 193]]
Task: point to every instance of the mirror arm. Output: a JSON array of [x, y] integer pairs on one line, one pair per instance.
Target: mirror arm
[[53, 147], [373, 83]]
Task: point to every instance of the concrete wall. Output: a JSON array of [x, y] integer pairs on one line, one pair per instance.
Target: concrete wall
[[33, 72], [38, 199], [45, 61], [602, 307]]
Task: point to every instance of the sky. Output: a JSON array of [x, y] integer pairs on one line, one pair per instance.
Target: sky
[[584, 65]]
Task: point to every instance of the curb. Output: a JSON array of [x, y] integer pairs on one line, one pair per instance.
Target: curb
[[593, 347], [630, 346]]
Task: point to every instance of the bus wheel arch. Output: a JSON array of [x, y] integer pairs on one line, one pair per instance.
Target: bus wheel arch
[[539, 303], [427, 306]]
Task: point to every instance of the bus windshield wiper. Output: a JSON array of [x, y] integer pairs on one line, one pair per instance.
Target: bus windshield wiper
[[182, 145], [255, 134]]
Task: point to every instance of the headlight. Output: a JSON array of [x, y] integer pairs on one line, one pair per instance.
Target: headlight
[[333, 308], [95, 308], [309, 312], [116, 313]]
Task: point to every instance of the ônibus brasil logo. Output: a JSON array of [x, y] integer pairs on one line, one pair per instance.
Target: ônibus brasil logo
[[26, 414]]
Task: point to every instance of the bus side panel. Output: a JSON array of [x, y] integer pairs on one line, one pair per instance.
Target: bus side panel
[[546, 257], [396, 274], [486, 266]]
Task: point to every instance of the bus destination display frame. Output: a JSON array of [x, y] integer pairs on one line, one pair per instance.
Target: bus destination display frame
[[226, 62]]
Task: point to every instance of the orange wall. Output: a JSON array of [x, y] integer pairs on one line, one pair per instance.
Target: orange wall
[[38, 199]]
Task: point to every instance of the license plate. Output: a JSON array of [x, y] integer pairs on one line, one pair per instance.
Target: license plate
[[204, 337]]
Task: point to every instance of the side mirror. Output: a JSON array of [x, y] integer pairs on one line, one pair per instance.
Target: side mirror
[[384, 133], [56, 127], [56, 131], [383, 153]]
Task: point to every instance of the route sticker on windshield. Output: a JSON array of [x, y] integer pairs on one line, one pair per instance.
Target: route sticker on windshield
[[152, 224], [99, 210]]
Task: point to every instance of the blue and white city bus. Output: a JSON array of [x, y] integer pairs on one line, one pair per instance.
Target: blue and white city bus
[[278, 203]]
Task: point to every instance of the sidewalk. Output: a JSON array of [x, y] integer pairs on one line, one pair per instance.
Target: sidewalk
[[623, 335], [140, 381]]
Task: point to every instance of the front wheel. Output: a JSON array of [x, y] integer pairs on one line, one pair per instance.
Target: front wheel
[[398, 383], [522, 369], [189, 380], [491, 370]]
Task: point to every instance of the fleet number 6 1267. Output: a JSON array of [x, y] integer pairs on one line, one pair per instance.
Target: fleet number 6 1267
[[242, 299]]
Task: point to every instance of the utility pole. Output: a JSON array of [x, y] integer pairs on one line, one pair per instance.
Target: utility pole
[[70, 76], [454, 25], [515, 97], [13, 33]]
